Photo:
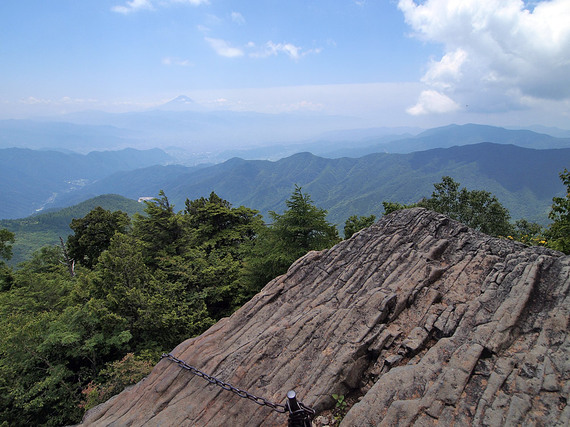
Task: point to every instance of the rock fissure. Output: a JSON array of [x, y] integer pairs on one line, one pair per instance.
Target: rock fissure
[[417, 319]]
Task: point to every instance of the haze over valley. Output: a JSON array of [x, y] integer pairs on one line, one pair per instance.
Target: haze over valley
[[374, 192], [358, 103]]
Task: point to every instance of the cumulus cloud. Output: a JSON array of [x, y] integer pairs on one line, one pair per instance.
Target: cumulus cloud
[[499, 48], [432, 101], [136, 5], [223, 48]]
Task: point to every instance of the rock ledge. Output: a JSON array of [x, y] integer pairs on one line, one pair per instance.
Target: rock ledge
[[429, 322]]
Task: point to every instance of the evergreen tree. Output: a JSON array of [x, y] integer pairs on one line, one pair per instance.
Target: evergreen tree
[[160, 230], [558, 234], [93, 233], [301, 228], [478, 209], [217, 238]]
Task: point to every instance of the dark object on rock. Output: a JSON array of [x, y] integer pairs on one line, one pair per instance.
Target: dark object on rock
[[426, 320]]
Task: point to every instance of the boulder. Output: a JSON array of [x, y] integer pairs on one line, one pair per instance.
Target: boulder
[[418, 318]]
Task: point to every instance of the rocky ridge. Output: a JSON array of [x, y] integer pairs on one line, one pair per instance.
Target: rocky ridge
[[422, 319]]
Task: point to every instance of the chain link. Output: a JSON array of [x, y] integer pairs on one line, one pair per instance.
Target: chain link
[[213, 380]]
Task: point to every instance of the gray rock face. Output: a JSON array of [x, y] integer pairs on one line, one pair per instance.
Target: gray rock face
[[425, 320]]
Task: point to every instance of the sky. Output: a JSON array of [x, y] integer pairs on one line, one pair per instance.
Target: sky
[[392, 62]]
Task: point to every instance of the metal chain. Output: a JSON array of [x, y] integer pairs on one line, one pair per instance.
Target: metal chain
[[213, 380]]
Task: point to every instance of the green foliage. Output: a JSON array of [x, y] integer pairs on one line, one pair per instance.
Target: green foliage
[[558, 234], [44, 229], [115, 377], [160, 230], [340, 402], [356, 223], [6, 241], [390, 207], [340, 407], [38, 352], [529, 233], [301, 228], [93, 233], [477, 208]]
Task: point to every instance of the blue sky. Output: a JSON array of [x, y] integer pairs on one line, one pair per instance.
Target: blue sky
[[428, 63]]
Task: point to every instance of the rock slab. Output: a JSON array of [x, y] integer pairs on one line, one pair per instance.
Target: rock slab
[[422, 319]]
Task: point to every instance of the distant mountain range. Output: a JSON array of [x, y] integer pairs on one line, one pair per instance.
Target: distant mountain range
[[378, 165], [179, 123], [32, 180], [197, 135], [524, 180]]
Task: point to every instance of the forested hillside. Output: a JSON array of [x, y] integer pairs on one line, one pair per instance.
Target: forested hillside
[[79, 325], [33, 180], [523, 179], [81, 322], [46, 228]]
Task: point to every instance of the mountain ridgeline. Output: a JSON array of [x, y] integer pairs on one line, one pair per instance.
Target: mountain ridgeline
[[524, 180], [32, 180]]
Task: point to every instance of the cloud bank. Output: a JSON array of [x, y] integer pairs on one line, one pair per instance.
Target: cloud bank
[[498, 54]]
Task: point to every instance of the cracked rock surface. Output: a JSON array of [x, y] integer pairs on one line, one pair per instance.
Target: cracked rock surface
[[425, 320]]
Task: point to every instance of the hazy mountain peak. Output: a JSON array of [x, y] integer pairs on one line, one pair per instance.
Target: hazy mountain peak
[[180, 103], [182, 100]]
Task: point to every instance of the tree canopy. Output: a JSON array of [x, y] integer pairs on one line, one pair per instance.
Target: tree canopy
[[6, 241], [558, 234], [93, 233], [301, 228], [478, 209], [142, 287]]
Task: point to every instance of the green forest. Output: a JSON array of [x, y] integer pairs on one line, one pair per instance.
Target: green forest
[[81, 321]]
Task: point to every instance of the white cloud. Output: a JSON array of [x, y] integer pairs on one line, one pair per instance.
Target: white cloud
[[222, 48], [496, 47], [432, 101], [447, 70], [133, 6], [272, 49], [238, 18], [136, 5], [288, 48]]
